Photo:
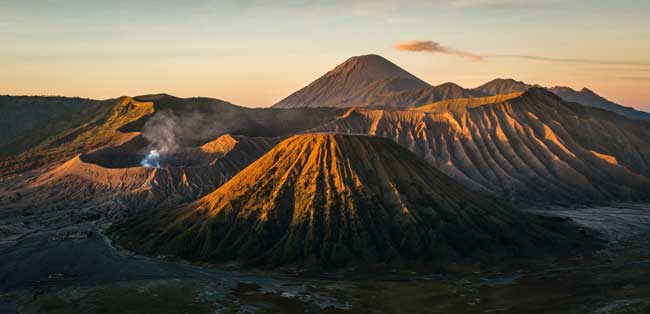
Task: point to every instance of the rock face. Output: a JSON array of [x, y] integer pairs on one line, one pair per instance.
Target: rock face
[[370, 80], [334, 200], [524, 147]]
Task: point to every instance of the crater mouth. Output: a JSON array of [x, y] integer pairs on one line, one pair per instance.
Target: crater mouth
[[127, 156], [113, 157]]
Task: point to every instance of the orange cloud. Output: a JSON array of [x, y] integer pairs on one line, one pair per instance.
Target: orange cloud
[[434, 47]]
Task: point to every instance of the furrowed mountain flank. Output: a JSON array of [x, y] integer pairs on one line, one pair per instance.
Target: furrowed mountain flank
[[370, 80], [523, 147], [334, 200]]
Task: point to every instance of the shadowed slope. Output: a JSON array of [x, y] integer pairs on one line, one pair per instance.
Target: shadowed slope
[[534, 147], [29, 115], [335, 200]]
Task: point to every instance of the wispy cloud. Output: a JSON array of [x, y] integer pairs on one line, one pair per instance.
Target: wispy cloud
[[434, 47], [437, 48], [634, 78], [571, 60]]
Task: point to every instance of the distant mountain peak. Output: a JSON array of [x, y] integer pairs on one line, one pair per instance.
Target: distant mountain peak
[[450, 85], [587, 90], [358, 81], [370, 67], [502, 86], [589, 98], [371, 80], [505, 81]]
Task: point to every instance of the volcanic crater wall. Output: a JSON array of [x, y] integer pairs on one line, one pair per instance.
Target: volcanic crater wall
[[114, 178]]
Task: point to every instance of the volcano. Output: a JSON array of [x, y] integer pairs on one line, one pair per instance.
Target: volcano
[[371, 80], [112, 180], [335, 200]]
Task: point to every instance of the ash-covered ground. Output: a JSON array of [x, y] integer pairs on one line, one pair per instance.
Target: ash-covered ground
[[61, 262]]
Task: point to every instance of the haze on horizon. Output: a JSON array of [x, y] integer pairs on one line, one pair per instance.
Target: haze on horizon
[[256, 52]]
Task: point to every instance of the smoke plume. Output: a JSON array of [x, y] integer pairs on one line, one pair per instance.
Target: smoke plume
[[169, 131], [161, 131]]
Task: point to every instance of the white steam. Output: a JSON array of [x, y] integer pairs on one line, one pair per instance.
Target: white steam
[[161, 132], [168, 131], [152, 160]]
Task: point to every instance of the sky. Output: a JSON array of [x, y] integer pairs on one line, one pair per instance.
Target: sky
[[256, 52]]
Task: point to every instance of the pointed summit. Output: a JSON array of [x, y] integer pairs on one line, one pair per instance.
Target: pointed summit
[[371, 80], [371, 68], [359, 81]]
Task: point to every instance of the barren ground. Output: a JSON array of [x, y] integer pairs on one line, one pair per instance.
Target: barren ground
[[67, 265]]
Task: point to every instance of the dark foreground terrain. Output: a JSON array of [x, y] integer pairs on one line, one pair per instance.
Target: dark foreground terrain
[[73, 268]]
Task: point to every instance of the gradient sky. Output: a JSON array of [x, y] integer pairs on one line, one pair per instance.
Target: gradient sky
[[253, 52]]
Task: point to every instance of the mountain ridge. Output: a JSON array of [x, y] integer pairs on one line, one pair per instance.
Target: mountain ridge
[[373, 81], [584, 97]]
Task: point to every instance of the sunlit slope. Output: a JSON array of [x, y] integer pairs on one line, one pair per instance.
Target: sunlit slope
[[527, 147], [335, 200], [67, 136]]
